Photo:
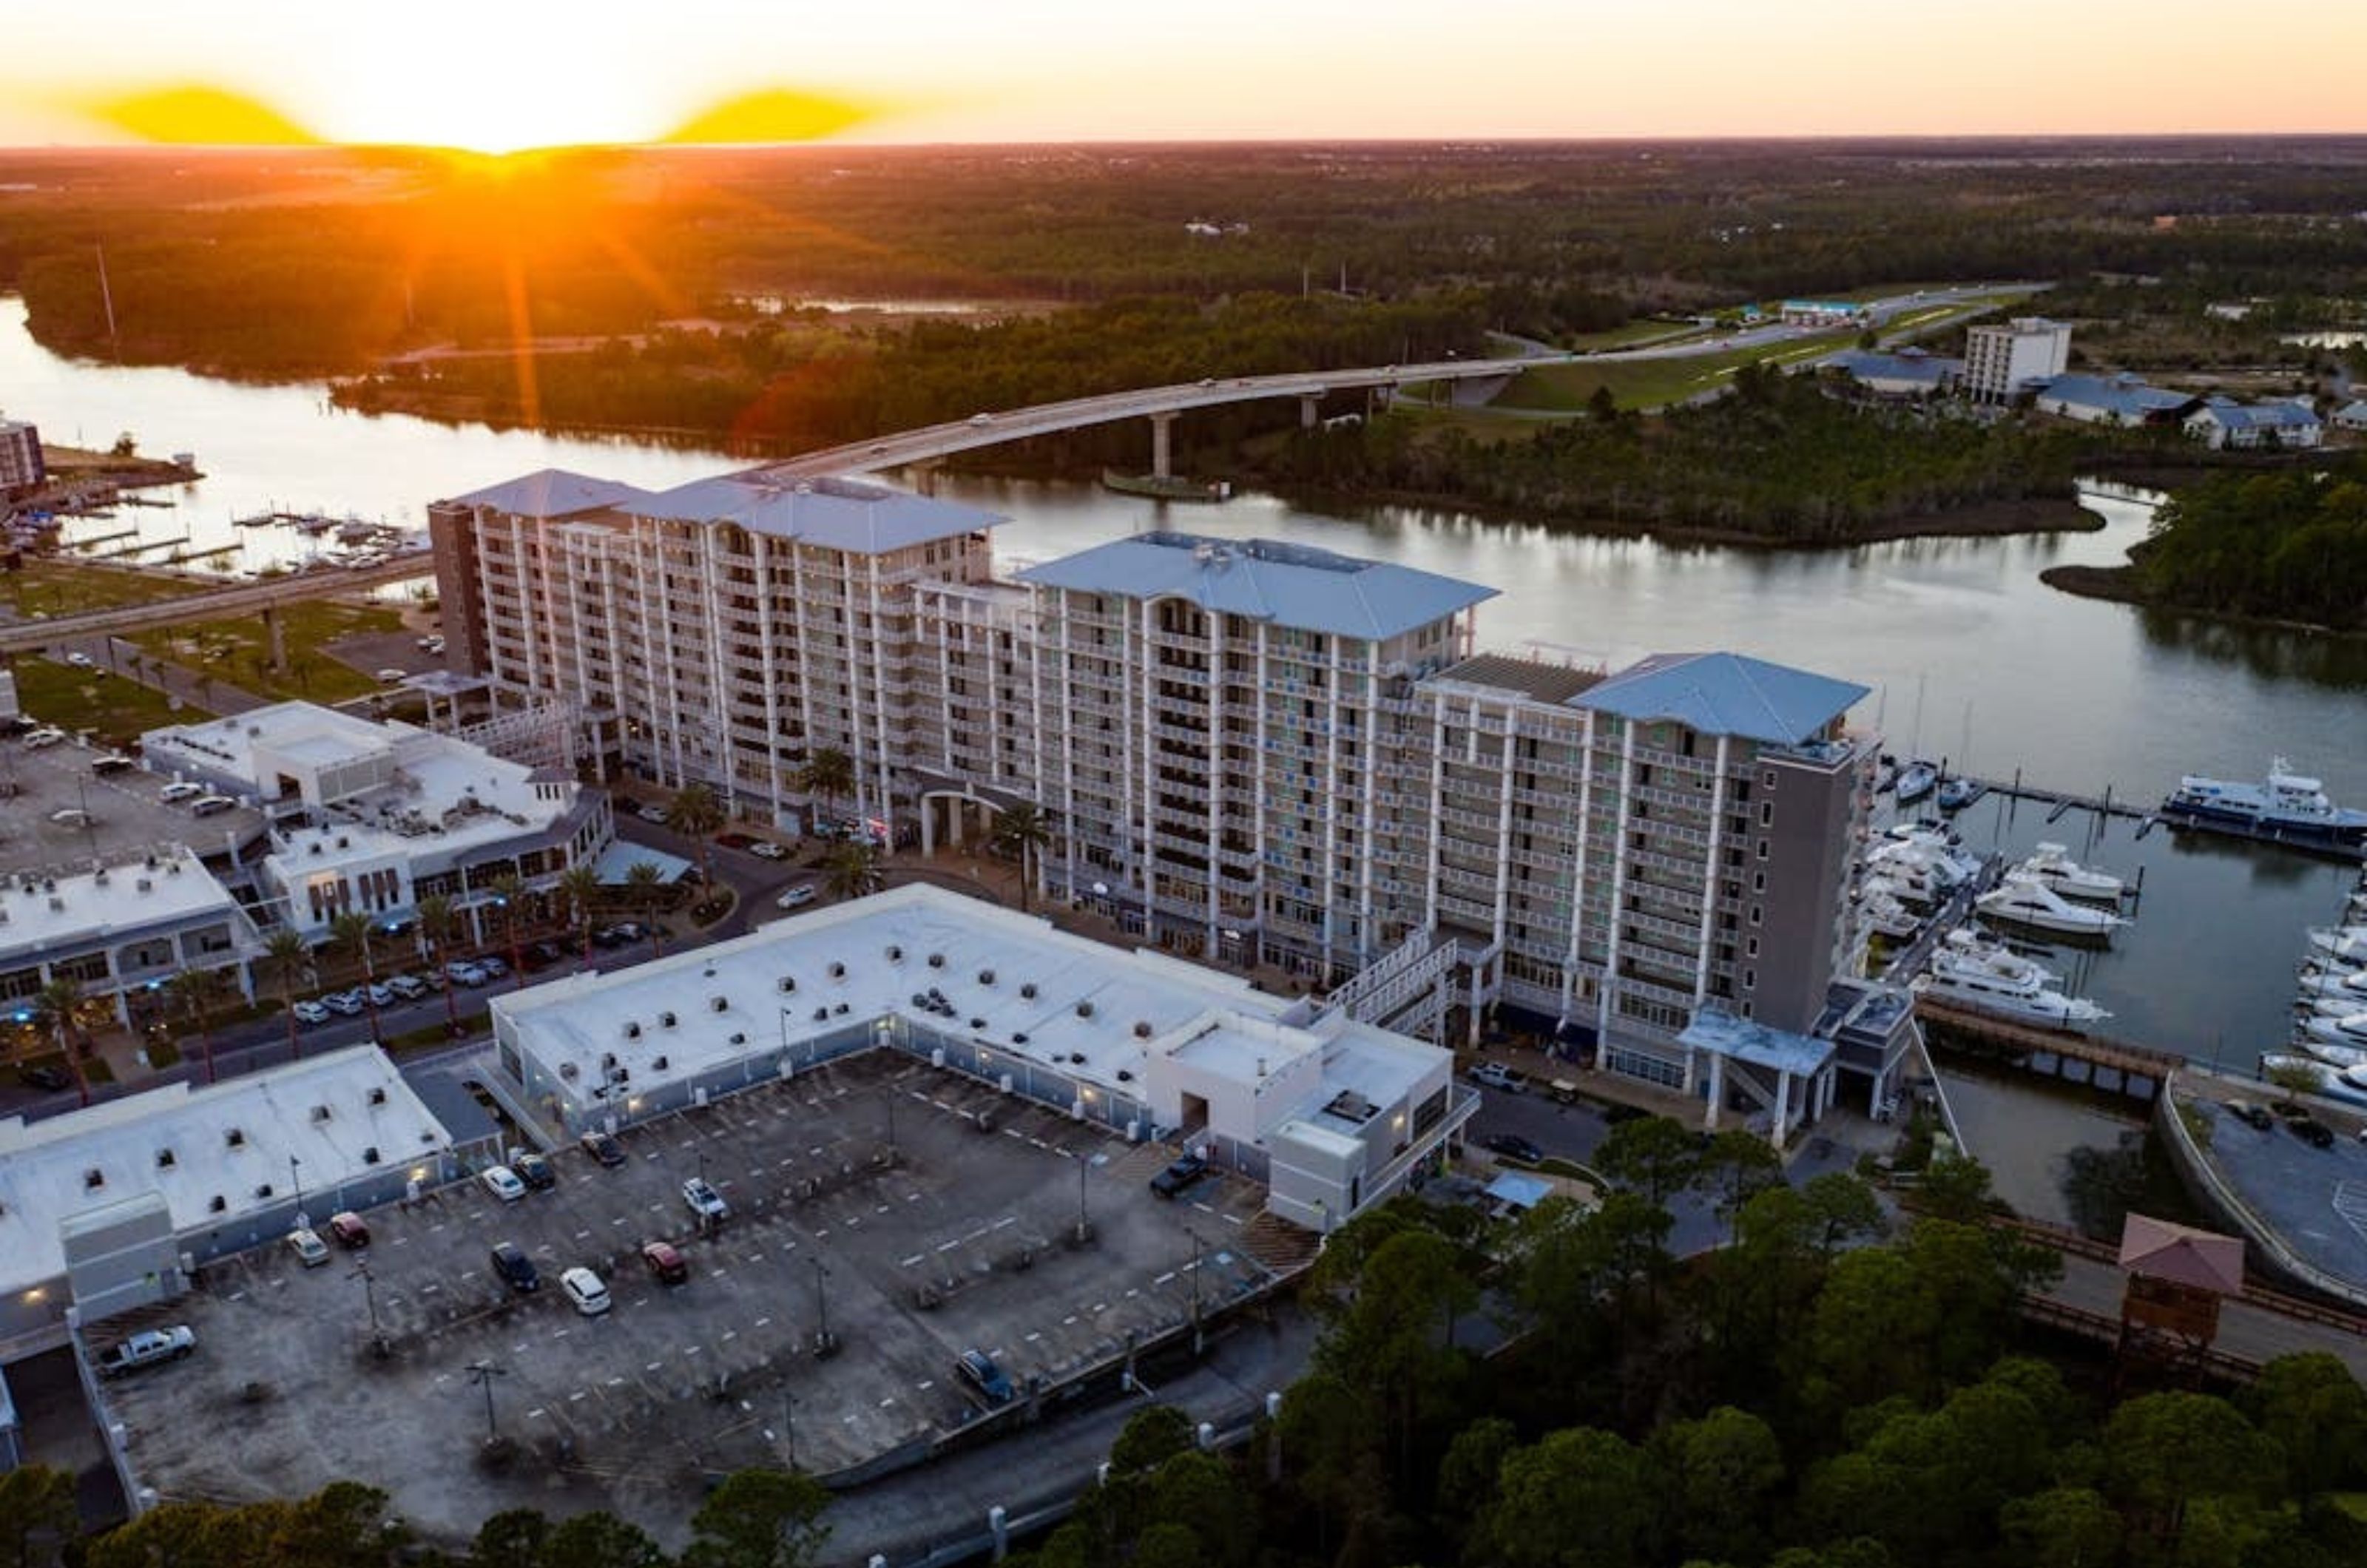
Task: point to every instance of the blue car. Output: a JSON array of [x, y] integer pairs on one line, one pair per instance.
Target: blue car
[[978, 1369]]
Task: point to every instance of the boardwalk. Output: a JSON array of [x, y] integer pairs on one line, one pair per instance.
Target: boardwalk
[[2249, 1330]]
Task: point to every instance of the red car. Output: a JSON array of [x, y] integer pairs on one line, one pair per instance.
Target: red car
[[666, 1264]]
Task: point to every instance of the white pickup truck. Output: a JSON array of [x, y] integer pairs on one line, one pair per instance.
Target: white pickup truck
[[146, 1348]]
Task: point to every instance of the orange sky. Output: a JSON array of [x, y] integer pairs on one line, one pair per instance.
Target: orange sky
[[498, 75]]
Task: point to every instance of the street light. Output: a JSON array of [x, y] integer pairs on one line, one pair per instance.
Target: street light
[[296, 1181], [1195, 1288], [484, 1373], [369, 1298], [824, 1344], [1084, 1225]]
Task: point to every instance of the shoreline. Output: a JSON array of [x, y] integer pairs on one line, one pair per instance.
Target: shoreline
[[2119, 585]]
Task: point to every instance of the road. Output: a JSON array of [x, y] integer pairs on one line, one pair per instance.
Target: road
[[241, 599]]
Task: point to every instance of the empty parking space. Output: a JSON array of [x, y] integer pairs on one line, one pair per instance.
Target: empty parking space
[[913, 1212]]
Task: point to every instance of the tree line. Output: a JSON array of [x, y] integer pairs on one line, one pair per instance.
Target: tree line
[[2289, 544]]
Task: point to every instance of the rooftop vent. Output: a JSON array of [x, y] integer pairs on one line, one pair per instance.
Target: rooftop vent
[[738, 1037], [218, 1204], [1029, 990], [264, 1190], [369, 1154], [235, 1138], [632, 1031], [665, 1021], [1017, 1037], [936, 961], [895, 953], [164, 1160], [718, 1004], [377, 1097], [658, 1066], [986, 977], [838, 971], [320, 1113], [1141, 1030], [145, 885], [788, 984], [822, 1015], [567, 1071], [1085, 1010], [94, 1177]]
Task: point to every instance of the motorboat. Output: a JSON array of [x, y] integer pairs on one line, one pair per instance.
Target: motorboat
[[2328, 980], [1938, 846], [2024, 901], [1879, 902], [2347, 1085], [1915, 874], [2344, 944], [2289, 808], [2053, 865], [1916, 779], [2334, 1055], [1958, 793], [1969, 946], [2348, 1030], [1982, 972]]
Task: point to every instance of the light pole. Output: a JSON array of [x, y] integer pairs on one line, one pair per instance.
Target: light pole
[[369, 1298], [1195, 1289], [1084, 1225], [296, 1181], [789, 1424], [484, 1373], [824, 1345]]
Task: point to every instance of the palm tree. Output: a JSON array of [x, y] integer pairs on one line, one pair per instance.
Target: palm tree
[[436, 929], [509, 895], [196, 993], [852, 871], [645, 885], [1023, 830], [58, 1009], [828, 772], [581, 885], [694, 813], [350, 932], [292, 957]]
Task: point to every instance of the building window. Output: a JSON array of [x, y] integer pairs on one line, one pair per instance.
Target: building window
[[1754, 914]]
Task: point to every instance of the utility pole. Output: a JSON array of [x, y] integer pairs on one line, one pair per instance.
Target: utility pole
[[1084, 1225], [369, 1298], [1195, 1290], [824, 1344], [296, 1181]]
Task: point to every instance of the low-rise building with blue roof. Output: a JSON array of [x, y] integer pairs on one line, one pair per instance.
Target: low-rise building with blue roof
[[1909, 373], [2113, 400], [2292, 425]]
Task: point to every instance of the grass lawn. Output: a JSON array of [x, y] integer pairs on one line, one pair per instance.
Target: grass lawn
[[1652, 383], [74, 699], [237, 650], [64, 588], [1636, 335]]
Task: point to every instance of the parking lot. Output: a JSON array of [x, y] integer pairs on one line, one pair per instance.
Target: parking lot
[[964, 1238], [127, 819]]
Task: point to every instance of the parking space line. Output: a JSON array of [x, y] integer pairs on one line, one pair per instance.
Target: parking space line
[[916, 1257], [925, 1384], [730, 1335], [1070, 1321], [764, 1322], [1035, 1336], [533, 1412], [1161, 1279]]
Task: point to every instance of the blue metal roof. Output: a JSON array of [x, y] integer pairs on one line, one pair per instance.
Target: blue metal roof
[[1745, 1040], [2257, 416], [2123, 395], [1725, 693], [553, 492], [839, 514], [1263, 579]]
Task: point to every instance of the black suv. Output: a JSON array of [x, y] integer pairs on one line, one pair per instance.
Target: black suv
[[2313, 1132], [516, 1269], [1180, 1177], [603, 1147]]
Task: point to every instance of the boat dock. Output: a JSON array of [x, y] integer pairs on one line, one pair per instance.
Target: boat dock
[[2060, 802], [2120, 1066]]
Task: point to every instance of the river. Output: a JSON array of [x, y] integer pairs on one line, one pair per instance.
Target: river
[[1968, 654]]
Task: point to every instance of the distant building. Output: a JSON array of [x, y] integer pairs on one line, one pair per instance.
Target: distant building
[[2352, 415], [1909, 373], [375, 817], [118, 928], [2113, 400], [1821, 313], [2002, 361], [2224, 422], [21, 467]]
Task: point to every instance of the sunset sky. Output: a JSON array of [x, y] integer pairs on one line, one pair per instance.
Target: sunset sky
[[499, 74]]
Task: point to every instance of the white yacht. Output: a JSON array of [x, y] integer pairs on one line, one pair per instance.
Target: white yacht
[[1878, 901], [1989, 977], [2288, 809], [1916, 779], [2344, 944], [2022, 900], [2335, 1056], [2053, 865], [2350, 1029]]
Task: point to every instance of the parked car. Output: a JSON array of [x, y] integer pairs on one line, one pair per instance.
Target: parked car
[[346, 1228], [381, 995], [71, 817], [533, 1169], [665, 1263], [306, 1244], [603, 1147], [705, 1200], [979, 1371], [146, 1348], [113, 763], [390, 673], [495, 968], [410, 988], [1511, 1145], [502, 1182], [180, 790], [649, 813], [1495, 1075], [2312, 1131], [586, 1289], [79, 660], [311, 1011], [543, 954], [348, 1004], [1180, 1176], [735, 840], [515, 1269], [2251, 1114], [765, 849], [460, 972], [624, 933], [42, 1076], [212, 805], [40, 739], [797, 898]]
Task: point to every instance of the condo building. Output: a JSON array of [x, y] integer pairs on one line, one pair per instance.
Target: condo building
[[1247, 751], [2001, 360]]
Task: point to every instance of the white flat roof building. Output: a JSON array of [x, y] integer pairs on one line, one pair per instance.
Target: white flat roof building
[[117, 926], [227, 1160], [375, 816], [1134, 1040]]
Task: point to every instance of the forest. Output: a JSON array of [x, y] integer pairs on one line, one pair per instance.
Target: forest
[[2288, 544], [1839, 1386]]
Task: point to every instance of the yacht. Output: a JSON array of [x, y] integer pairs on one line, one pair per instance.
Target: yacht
[[2347, 1085], [2024, 901], [2053, 865], [2342, 945], [2288, 809], [1878, 899], [2324, 983], [2334, 1055], [1987, 977], [1915, 873], [1971, 946], [1916, 779], [2348, 1030]]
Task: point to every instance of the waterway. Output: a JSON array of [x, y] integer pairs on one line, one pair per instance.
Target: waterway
[[1967, 654]]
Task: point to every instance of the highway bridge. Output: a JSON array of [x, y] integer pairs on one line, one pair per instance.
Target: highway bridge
[[259, 598], [1160, 405]]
